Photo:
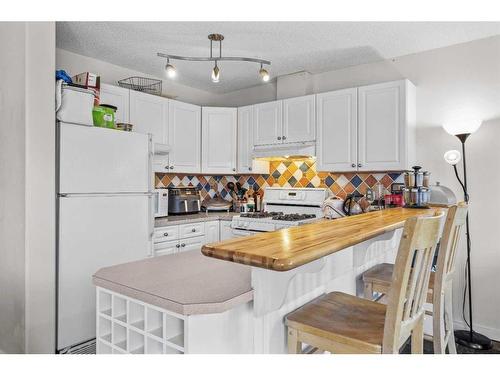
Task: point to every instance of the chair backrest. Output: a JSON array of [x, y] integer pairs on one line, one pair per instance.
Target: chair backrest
[[445, 266], [410, 279]]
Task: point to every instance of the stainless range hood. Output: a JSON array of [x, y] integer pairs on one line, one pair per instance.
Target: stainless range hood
[[286, 150]]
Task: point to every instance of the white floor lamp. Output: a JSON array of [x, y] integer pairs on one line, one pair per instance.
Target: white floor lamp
[[462, 130]]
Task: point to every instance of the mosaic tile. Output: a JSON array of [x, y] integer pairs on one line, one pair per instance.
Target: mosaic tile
[[285, 174]]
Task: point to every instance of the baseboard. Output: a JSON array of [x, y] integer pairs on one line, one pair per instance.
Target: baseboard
[[492, 333]]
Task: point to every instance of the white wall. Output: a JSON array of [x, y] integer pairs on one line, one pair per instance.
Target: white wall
[[73, 64], [12, 183], [459, 79], [27, 188]]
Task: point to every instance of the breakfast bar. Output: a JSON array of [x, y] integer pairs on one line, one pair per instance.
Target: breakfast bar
[[233, 296], [292, 266]]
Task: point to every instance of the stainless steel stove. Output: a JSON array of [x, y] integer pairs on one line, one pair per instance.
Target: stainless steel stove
[[283, 208]]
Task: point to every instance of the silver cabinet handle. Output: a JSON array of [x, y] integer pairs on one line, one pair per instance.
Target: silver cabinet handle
[[183, 245], [279, 138], [234, 169], [166, 167], [360, 165], [165, 234], [249, 168], [284, 137], [353, 165], [193, 230], [171, 167], [177, 246]]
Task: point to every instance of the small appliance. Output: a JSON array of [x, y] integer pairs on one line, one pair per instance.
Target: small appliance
[[351, 204], [183, 200], [160, 202]]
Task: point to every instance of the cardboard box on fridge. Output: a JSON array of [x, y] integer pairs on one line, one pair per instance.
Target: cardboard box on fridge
[[90, 81]]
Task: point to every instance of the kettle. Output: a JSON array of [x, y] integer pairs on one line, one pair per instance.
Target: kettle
[[351, 205]]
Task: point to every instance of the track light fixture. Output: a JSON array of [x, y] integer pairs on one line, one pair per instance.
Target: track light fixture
[[171, 71]]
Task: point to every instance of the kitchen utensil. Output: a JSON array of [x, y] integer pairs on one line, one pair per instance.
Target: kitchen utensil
[[442, 195], [216, 204], [351, 204]]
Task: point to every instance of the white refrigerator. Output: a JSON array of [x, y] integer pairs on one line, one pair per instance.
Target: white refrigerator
[[104, 217]]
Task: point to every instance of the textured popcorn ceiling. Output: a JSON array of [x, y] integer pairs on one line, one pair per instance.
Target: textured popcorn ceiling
[[291, 46]]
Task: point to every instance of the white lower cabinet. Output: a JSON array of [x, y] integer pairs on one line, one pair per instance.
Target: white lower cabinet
[[226, 232], [185, 237]]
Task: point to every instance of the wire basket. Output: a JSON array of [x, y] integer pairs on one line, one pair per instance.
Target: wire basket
[[149, 85]]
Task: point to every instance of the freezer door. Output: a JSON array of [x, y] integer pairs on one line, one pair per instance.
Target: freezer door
[[95, 232], [99, 160]]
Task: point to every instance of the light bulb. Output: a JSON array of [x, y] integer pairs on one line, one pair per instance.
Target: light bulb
[[170, 70], [215, 73], [462, 126], [452, 157], [264, 74]]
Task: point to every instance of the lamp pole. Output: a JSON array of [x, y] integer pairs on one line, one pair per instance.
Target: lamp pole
[[469, 338]]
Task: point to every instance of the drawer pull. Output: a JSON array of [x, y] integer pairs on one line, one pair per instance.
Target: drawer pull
[[165, 234], [183, 245], [177, 246], [193, 230]]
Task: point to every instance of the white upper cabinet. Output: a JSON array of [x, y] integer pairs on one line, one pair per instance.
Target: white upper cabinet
[[246, 164], [268, 123], [385, 126], [218, 140], [245, 139], [149, 114], [299, 117], [184, 137], [336, 114], [119, 97]]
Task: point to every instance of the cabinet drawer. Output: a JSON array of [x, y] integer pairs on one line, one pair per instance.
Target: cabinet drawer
[[191, 230], [167, 247], [166, 234], [190, 244]]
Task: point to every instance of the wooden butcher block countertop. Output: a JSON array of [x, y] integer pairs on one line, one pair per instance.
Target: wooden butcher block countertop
[[289, 248]]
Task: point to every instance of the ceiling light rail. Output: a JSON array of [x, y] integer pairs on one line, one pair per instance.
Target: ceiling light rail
[[215, 74]]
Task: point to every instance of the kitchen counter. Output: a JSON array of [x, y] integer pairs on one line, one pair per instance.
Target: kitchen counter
[[185, 283], [194, 218], [289, 248]]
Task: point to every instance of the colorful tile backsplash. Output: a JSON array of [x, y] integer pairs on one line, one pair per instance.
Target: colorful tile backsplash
[[284, 174]]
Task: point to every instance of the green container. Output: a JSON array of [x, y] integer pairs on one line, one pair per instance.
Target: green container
[[104, 116]]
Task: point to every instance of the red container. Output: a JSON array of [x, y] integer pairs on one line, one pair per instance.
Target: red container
[[394, 200]]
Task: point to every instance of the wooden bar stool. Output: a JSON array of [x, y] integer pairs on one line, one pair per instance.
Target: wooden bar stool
[[378, 279], [342, 323]]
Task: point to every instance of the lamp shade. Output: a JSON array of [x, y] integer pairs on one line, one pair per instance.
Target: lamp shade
[[462, 126], [452, 157]]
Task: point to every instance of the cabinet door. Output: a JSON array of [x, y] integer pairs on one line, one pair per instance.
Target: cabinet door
[[149, 115], [225, 231], [299, 119], [189, 244], [119, 97], [337, 130], [184, 135], [211, 231], [267, 123], [382, 129], [166, 248], [219, 140], [245, 139]]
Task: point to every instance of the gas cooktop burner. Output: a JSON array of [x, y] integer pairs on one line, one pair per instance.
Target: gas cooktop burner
[[260, 215], [293, 217]]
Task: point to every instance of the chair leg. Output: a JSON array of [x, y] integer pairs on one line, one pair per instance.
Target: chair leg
[[417, 337], [448, 317], [438, 325], [368, 290], [294, 345]]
